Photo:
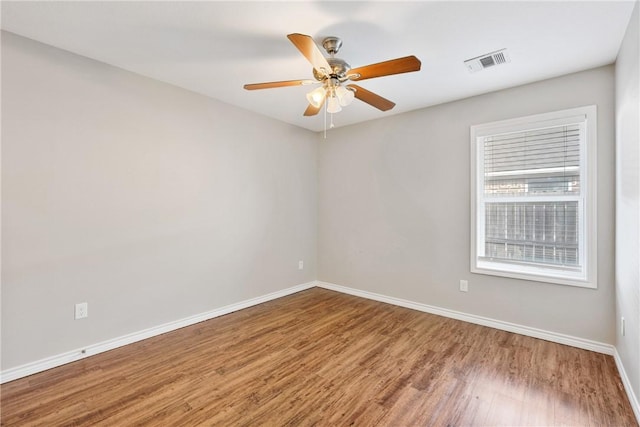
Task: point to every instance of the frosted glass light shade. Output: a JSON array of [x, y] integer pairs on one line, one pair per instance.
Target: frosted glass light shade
[[333, 105], [345, 96], [316, 97]]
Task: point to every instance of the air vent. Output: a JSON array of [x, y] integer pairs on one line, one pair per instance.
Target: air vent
[[487, 60]]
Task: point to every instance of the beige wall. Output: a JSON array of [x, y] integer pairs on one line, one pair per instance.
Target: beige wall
[[149, 202], [628, 199], [394, 209]]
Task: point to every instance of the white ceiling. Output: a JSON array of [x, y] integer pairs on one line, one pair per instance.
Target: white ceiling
[[213, 48]]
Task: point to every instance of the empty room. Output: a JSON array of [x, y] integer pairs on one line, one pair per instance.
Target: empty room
[[421, 213]]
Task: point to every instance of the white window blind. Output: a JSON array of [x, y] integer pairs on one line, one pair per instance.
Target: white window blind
[[530, 198], [531, 184]]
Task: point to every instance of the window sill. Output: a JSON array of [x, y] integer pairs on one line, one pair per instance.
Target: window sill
[[541, 274]]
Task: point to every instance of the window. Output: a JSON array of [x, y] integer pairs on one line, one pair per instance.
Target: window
[[533, 198]]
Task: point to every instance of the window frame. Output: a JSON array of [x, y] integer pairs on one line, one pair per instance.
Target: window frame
[[587, 277]]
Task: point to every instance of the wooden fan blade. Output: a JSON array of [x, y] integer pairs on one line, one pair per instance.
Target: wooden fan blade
[[310, 50], [269, 85], [312, 111], [372, 99], [386, 68]]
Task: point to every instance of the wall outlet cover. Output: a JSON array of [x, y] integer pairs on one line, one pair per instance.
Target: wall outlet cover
[[82, 310]]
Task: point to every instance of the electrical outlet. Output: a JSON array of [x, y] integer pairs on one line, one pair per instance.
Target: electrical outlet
[[622, 326], [82, 310], [464, 286], [300, 265]]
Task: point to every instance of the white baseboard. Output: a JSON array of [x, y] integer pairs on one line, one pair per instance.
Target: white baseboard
[[81, 353], [478, 320], [633, 399]]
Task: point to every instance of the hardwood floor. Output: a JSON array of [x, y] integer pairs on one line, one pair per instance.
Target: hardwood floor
[[323, 358]]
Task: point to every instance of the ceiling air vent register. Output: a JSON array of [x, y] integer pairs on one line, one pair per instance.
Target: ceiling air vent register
[[487, 60]]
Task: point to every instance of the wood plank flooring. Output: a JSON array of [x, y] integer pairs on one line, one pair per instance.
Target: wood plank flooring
[[323, 358]]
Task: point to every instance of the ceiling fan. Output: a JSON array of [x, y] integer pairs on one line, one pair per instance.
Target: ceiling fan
[[334, 73]]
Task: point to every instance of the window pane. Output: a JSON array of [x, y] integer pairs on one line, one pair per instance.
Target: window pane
[[533, 232]]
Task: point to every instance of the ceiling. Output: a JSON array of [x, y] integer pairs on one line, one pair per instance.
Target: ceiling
[[214, 48]]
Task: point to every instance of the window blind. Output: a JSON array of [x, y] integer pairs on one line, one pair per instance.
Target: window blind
[[531, 193]]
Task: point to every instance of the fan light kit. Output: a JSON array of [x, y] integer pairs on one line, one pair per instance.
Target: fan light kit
[[333, 73]]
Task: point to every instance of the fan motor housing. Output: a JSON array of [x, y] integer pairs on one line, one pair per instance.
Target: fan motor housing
[[339, 69]]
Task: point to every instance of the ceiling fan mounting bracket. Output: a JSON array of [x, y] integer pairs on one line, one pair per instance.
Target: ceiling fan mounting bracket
[[332, 44]]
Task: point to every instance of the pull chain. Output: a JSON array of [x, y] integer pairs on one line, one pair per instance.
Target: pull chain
[[325, 120]]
